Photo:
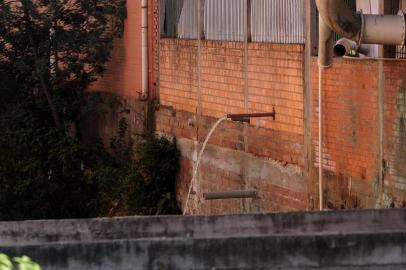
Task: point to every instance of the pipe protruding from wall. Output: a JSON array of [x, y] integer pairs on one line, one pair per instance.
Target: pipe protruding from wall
[[346, 47]]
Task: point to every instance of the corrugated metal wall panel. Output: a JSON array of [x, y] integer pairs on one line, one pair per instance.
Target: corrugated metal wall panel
[[171, 11], [224, 19], [277, 21], [188, 22]]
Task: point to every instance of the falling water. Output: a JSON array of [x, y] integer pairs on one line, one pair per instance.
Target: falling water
[[199, 157]]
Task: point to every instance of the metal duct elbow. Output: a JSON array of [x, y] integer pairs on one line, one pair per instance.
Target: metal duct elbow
[[363, 29], [325, 45]]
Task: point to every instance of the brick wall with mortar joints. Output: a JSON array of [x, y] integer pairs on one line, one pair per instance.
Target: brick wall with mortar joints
[[273, 82], [350, 118], [395, 131], [229, 136], [275, 79], [351, 132], [222, 75], [350, 145], [178, 74]]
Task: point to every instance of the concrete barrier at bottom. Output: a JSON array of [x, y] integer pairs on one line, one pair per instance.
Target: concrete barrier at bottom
[[377, 240]]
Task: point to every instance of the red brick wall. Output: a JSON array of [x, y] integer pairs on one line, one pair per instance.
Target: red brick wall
[[351, 124], [395, 131], [350, 117], [274, 80]]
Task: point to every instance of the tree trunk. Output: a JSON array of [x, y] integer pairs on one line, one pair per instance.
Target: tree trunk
[[43, 83]]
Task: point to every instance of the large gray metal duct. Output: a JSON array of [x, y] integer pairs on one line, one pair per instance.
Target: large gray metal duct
[[361, 28]]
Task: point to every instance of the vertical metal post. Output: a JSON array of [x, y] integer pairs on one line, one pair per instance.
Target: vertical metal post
[[144, 47], [309, 7], [321, 197], [201, 4], [200, 26], [158, 75], [380, 119], [247, 37]]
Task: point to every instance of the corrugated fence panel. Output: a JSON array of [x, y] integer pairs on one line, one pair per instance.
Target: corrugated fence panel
[[224, 19], [188, 22], [171, 11], [277, 21]]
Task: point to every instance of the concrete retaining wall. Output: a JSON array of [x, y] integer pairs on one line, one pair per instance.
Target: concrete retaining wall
[[331, 240]]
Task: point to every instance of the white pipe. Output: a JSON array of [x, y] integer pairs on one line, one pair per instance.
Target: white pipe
[[144, 45], [321, 198]]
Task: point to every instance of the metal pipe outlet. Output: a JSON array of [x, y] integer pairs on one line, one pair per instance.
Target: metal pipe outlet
[[345, 46], [235, 194]]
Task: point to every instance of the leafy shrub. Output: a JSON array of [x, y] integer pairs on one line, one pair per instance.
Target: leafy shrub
[[141, 178], [45, 173], [21, 263]]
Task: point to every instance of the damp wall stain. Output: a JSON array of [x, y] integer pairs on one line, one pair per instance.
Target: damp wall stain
[[400, 133]]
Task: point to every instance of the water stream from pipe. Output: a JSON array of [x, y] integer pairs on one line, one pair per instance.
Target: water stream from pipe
[[199, 157]]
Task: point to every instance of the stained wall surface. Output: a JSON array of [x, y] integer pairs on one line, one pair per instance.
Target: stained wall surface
[[199, 84], [123, 73]]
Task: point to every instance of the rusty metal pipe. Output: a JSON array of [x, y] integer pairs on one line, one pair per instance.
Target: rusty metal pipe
[[235, 194], [252, 115], [240, 119]]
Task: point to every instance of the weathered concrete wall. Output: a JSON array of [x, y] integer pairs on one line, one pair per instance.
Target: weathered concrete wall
[[280, 186], [102, 114], [368, 239], [123, 72]]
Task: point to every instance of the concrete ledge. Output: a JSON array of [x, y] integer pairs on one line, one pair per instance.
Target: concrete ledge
[[49, 231], [367, 239], [329, 251]]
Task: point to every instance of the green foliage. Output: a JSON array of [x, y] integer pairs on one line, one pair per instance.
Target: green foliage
[[20, 263], [40, 169], [50, 51], [44, 173], [140, 182], [57, 48]]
